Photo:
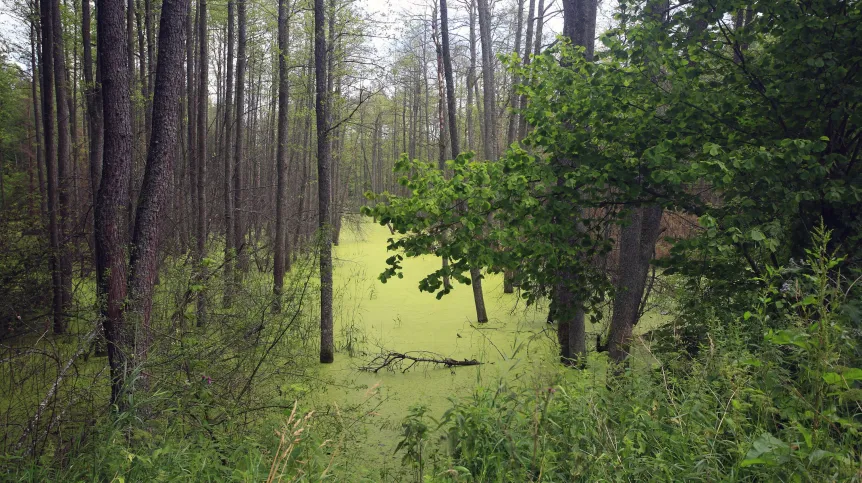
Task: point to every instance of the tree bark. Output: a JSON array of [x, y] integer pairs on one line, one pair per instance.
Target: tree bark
[[239, 230], [489, 87], [47, 71], [36, 70], [471, 76], [323, 180], [229, 249], [579, 24], [441, 99], [281, 156], [508, 275], [64, 154], [202, 118], [513, 95], [540, 22], [637, 246], [191, 105], [528, 47], [93, 96], [156, 186], [110, 213]]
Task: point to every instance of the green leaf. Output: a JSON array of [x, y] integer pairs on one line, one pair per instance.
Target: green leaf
[[853, 374], [832, 377]]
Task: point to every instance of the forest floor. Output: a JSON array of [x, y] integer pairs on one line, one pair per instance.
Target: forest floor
[[515, 347]]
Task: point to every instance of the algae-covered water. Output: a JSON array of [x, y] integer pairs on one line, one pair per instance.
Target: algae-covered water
[[516, 346], [373, 317]]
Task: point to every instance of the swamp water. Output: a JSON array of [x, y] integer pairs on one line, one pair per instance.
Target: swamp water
[[516, 346]]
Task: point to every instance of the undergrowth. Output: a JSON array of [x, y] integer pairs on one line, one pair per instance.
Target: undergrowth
[[786, 408]]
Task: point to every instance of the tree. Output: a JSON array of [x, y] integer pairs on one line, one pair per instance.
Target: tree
[[323, 179], [201, 155], [636, 248], [489, 98], [93, 96], [280, 252], [156, 187], [47, 70], [110, 214], [64, 154], [227, 154], [528, 51], [239, 227]]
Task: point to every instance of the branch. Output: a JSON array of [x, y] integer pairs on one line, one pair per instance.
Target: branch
[[33, 424], [397, 360]]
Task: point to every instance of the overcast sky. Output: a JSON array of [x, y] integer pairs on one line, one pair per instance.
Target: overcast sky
[[14, 32]]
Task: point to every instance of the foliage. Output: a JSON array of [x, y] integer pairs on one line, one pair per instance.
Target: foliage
[[415, 431], [751, 128], [125, 448], [787, 411], [24, 279]]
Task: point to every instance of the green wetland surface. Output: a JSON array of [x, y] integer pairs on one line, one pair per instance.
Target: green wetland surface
[[516, 346]]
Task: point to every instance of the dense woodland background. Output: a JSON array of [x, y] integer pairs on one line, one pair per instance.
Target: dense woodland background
[[174, 175]]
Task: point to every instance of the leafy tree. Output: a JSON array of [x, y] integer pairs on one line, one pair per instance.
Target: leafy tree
[[750, 128]]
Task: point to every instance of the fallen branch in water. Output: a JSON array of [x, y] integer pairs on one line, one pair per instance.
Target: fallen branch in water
[[397, 361]]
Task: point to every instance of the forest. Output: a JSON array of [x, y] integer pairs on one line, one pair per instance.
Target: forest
[[430, 240]]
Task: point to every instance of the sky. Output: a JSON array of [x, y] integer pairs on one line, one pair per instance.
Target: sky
[[14, 32]]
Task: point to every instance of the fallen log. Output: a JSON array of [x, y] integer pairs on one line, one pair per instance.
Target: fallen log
[[404, 361]]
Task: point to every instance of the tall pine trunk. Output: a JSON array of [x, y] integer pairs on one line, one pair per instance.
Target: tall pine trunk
[[280, 252], [239, 230], [110, 213], [202, 118], [64, 154], [227, 154], [47, 71], [157, 184], [323, 180]]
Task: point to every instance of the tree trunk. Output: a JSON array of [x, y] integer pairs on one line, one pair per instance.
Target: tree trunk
[[540, 22], [489, 132], [156, 185], [130, 54], [528, 46], [93, 95], [151, 66], [281, 156], [637, 246], [508, 275], [47, 70], [323, 180], [453, 135], [489, 98], [471, 76], [202, 118], [110, 214], [64, 154], [239, 230], [36, 70], [579, 24], [227, 154], [513, 96], [191, 104]]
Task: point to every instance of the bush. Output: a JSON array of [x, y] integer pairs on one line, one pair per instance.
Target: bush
[[786, 409]]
